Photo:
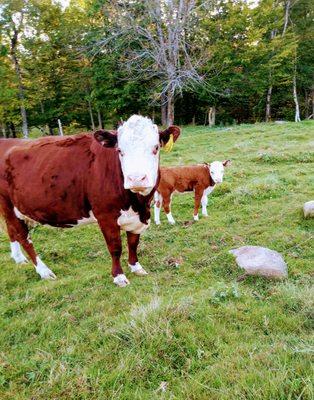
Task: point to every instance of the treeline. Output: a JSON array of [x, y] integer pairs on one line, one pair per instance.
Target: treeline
[[93, 62]]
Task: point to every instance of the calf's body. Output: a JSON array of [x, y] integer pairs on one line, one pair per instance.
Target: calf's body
[[198, 178]]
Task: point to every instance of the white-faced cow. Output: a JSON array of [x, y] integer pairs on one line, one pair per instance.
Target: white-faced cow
[[107, 177], [201, 179]]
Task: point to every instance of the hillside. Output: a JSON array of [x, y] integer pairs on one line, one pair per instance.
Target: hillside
[[187, 332]]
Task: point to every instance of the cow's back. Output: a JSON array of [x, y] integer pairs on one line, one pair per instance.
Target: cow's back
[[47, 178]]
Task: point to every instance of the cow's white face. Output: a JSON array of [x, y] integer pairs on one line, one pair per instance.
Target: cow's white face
[[138, 142], [138, 146], [217, 169]]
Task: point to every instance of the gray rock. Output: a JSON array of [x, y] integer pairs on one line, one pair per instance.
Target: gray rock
[[256, 260], [308, 209]]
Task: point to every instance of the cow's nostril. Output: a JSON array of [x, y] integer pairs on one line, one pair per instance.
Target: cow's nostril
[[137, 178]]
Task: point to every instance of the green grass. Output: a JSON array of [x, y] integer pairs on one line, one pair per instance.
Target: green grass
[[192, 330]]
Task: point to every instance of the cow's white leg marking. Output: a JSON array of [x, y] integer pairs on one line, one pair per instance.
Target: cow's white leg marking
[[137, 269], [204, 202], [16, 253], [121, 280], [170, 218], [195, 217], [43, 270], [158, 198]]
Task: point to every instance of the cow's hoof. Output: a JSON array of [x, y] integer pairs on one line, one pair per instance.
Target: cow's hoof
[[157, 222], [121, 280], [45, 273], [138, 270], [205, 215], [172, 222], [195, 217]]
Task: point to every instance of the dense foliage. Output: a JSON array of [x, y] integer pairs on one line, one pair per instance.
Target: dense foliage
[[93, 62]]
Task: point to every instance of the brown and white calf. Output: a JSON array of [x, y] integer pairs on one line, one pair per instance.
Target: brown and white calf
[[201, 179], [106, 177]]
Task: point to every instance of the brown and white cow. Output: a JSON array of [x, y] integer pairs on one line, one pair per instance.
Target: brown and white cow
[[201, 179], [105, 177]]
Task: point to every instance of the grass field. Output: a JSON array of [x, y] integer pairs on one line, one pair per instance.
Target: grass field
[[187, 332]]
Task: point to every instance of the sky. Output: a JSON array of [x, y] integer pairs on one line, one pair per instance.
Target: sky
[[64, 3]]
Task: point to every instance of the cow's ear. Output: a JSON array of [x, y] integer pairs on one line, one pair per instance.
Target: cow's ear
[[168, 136], [106, 138], [226, 163]]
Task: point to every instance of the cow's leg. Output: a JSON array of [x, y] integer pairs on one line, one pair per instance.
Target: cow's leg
[[16, 253], [204, 202], [19, 235], [135, 266], [197, 201], [167, 208], [112, 236], [157, 207]]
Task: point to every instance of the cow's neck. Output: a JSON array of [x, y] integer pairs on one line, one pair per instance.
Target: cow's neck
[[211, 181]]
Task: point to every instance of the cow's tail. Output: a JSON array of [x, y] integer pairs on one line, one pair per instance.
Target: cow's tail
[[3, 226]]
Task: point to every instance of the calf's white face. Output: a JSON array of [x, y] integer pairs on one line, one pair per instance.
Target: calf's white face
[[217, 169], [138, 146]]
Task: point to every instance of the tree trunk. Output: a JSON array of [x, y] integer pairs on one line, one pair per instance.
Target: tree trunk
[[4, 131], [60, 127], [270, 87], [212, 116], [50, 130], [163, 110], [12, 130], [307, 104], [287, 12], [14, 41], [91, 114], [268, 100], [295, 97], [21, 97], [99, 120], [170, 109]]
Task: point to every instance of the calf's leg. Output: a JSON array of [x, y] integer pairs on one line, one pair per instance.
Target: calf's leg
[[112, 235], [204, 202], [197, 201], [135, 266], [167, 208], [157, 207]]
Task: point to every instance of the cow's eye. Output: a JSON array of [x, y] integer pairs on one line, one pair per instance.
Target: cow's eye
[[120, 152], [156, 148]]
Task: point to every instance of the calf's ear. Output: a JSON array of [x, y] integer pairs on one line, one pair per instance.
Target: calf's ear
[[226, 163], [168, 136], [106, 138]]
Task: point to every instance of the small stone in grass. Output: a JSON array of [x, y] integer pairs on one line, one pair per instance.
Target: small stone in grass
[[256, 260], [175, 261], [308, 209]]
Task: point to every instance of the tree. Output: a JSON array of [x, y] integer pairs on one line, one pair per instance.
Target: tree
[[12, 25], [158, 43]]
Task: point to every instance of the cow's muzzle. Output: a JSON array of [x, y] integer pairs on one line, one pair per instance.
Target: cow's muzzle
[[137, 182]]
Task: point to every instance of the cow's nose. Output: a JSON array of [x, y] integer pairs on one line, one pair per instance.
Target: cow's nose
[[138, 179]]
